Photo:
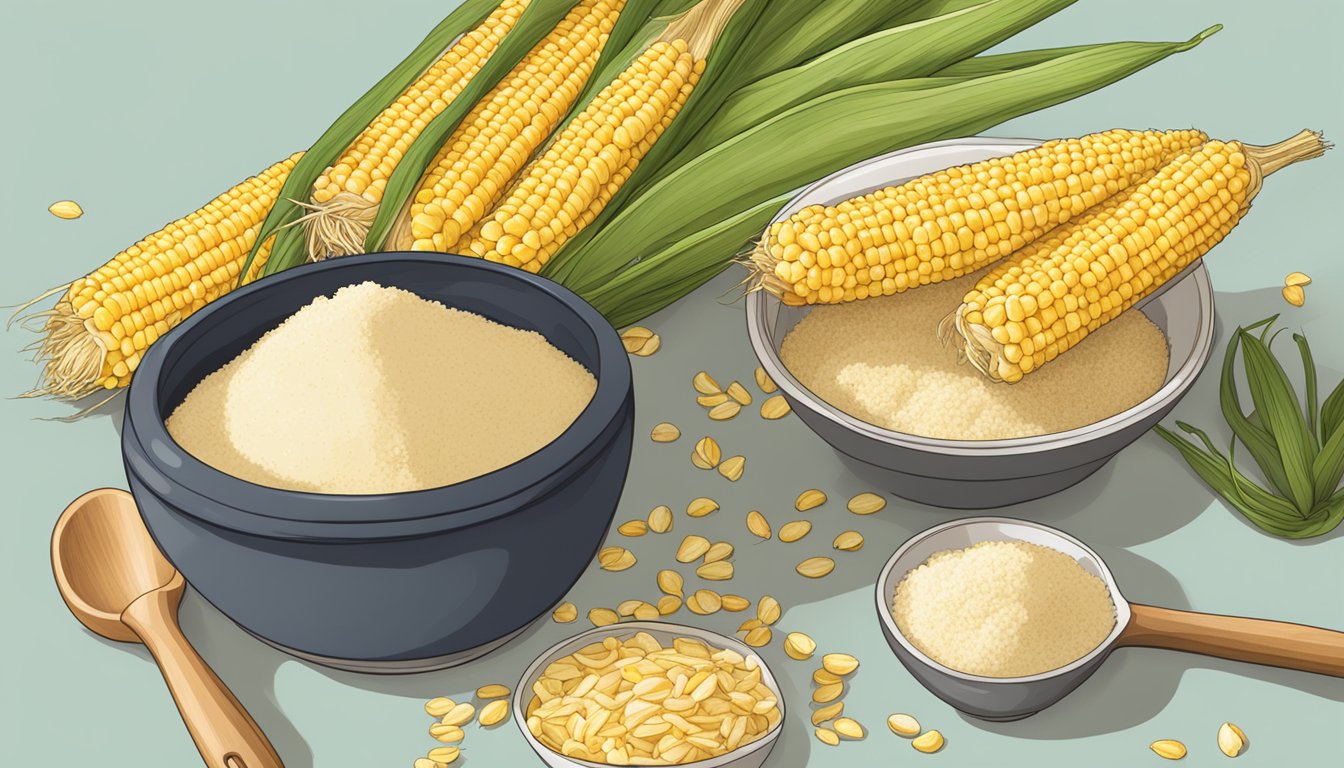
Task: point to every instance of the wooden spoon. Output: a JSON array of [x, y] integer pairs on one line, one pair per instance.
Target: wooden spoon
[[117, 583]]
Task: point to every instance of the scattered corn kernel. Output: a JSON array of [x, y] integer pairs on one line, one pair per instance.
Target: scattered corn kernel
[[758, 525], [448, 734], [749, 625], [768, 610], [640, 341], [1297, 278], [903, 725], [1169, 749], [809, 499], [564, 613], [848, 727], [459, 715], [1231, 739], [668, 605], [719, 550], [615, 558], [670, 582], [444, 755], [1293, 294], [660, 519], [758, 637], [492, 691], [794, 530], [665, 432], [824, 694], [815, 567], [739, 393], [799, 646], [709, 401], [701, 507], [839, 663], [633, 528], [929, 742], [494, 713], [65, 209], [725, 410], [425, 762], [704, 602], [775, 407], [827, 736], [706, 454], [866, 504], [828, 712], [735, 603], [439, 706], [705, 384], [821, 677], [692, 548], [731, 468], [601, 617], [848, 541], [764, 381], [716, 571]]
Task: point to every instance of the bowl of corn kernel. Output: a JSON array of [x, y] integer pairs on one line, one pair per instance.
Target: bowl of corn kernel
[[887, 380], [649, 693]]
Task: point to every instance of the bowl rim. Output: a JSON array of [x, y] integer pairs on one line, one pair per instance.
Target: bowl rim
[[885, 593], [168, 468], [575, 642], [758, 304]]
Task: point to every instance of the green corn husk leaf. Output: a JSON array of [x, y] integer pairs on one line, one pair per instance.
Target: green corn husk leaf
[[1332, 412], [1309, 371], [664, 277], [994, 63], [537, 21], [1266, 502], [354, 120], [717, 64], [1328, 467], [1247, 428], [1277, 405], [917, 49], [776, 156]]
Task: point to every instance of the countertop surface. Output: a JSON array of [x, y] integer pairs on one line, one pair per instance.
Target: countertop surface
[[141, 111]]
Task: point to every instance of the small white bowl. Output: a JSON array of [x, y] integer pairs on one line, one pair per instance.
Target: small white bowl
[[746, 756]]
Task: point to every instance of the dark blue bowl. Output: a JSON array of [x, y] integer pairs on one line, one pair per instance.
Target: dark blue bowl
[[397, 581]]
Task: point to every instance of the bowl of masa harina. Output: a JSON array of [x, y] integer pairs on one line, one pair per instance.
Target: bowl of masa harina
[[383, 463], [878, 380]]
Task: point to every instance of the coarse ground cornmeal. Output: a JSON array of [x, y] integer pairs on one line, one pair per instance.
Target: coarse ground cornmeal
[[1003, 609], [880, 360], [376, 390]]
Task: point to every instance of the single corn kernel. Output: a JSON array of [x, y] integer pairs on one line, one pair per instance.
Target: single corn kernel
[[827, 736], [692, 548], [1293, 294], [764, 381], [65, 209], [929, 742], [660, 519], [1297, 278], [706, 454], [799, 646], [633, 528], [492, 691], [668, 605], [733, 467], [448, 734], [794, 530], [443, 755], [494, 713], [866, 504], [827, 693], [739, 393], [735, 603], [665, 432], [459, 715], [701, 507], [704, 602], [710, 401], [1231, 739], [821, 677], [775, 407], [1169, 749], [809, 499], [439, 706], [669, 582], [705, 384], [615, 558], [725, 410], [601, 617], [839, 663], [848, 541], [827, 713], [903, 725], [640, 341], [564, 613], [718, 571], [719, 550], [758, 525], [815, 567], [758, 637], [848, 727]]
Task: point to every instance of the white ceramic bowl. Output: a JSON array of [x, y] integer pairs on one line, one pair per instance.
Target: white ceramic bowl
[[977, 474], [746, 756]]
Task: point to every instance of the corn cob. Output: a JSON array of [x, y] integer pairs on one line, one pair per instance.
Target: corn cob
[[478, 162], [1048, 298], [93, 338], [345, 197], [948, 224], [578, 174]]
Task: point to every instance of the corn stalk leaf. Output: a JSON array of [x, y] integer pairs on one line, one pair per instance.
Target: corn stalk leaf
[[770, 160], [1332, 412], [1328, 467], [537, 21], [1309, 372], [356, 118], [1278, 407], [1247, 428], [916, 49]]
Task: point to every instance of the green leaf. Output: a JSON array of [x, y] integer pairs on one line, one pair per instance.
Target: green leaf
[[917, 49], [1332, 412], [857, 123], [1216, 472], [1309, 371], [1278, 406], [1248, 429], [1328, 468], [1266, 503], [352, 122], [537, 21]]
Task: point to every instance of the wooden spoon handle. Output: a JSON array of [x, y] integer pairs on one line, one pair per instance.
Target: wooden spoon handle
[[1273, 643], [225, 734]]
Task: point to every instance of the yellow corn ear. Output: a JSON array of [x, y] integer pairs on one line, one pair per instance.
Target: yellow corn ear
[[95, 335], [480, 159], [1048, 298], [569, 185], [950, 223]]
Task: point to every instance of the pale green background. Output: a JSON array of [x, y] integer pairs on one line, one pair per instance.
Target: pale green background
[[142, 110]]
